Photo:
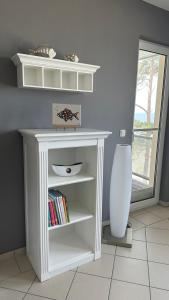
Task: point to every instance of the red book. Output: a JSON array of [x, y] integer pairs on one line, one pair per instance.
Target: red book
[[51, 213], [54, 212]]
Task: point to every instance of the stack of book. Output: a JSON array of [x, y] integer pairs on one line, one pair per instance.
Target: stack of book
[[58, 213]]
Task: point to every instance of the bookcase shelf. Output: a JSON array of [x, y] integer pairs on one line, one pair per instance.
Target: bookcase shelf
[[53, 74], [77, 213], [56, 249], [75, 250], [57, 181]]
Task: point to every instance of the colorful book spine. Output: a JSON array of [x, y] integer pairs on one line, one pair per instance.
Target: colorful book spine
[[51, 213], [58, 213], [54, 213], [63, 208], [59, 206], [67, 209]]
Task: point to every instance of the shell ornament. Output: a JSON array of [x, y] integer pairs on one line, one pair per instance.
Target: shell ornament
[[44, 52], [72, 57], [67, 115]]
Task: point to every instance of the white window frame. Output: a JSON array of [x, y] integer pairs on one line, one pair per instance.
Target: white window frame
[[156, 48]]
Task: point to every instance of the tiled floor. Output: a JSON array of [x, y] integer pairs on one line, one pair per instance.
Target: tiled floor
[[140, 273]]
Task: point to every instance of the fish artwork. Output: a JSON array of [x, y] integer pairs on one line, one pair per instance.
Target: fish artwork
[[67, 115]]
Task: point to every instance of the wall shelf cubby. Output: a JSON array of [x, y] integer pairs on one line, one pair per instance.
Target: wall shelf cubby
[[51, 248], [53, 74], [52, 78], [33, 76]]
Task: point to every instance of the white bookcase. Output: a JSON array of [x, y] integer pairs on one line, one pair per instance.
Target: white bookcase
[[60, 248], [53, 74]]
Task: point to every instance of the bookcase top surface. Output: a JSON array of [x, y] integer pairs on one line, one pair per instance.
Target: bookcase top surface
[[47, 133]]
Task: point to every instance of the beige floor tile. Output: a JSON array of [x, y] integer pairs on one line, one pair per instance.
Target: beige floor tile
[[20, 251], [131, 270], [158, 253], [101, 267], [139, 235], [138, 212], [154, 207], [136, 224], [6, 256], [157, 236], [87, 287], [20, 282], [128, 291], [32, 297], [55, 288], [147, 218], [10, 295], [159, 275], [108, 249], [23, 262], [138, 250], [161, 225], [159, 294], [161, 212], [8, 268]]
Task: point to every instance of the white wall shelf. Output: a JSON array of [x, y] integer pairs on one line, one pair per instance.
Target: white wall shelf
[[53, 74], [53, 250]]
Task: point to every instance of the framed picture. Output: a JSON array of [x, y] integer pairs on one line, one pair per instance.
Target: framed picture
[[66, 115]]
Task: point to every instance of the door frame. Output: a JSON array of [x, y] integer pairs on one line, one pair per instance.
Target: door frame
[[163, 50]]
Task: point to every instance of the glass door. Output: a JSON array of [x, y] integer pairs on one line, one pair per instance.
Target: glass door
[[149, 120]]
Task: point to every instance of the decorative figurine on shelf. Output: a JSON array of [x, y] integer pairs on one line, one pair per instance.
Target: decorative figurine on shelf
[[72, 57], [43, 51]]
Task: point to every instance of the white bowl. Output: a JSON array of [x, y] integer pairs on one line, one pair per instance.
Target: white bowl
[[67, 170]]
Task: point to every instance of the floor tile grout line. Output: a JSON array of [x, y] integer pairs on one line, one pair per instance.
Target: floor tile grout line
[[109, 278], [158, 243], [150, 223], [103, 277], [24, 296], [32, 283], [161, 289], [149, 227], [131, 257], [19, 273], [13, 290], [136, 220], [17, 262], [148, 265], [71, 284], [112, 273], [141, 259], [154, 214], [43, 297], [136, 283]]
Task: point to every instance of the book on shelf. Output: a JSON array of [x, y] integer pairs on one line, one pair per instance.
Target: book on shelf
[[58, 212]]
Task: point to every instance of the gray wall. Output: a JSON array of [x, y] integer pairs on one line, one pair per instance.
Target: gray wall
[[102, 32]]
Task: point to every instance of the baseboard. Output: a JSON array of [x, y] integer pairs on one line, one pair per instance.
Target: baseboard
[[164, 203], [143, 204]]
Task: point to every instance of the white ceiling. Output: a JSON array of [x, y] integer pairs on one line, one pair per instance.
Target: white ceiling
[[161, 3]]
